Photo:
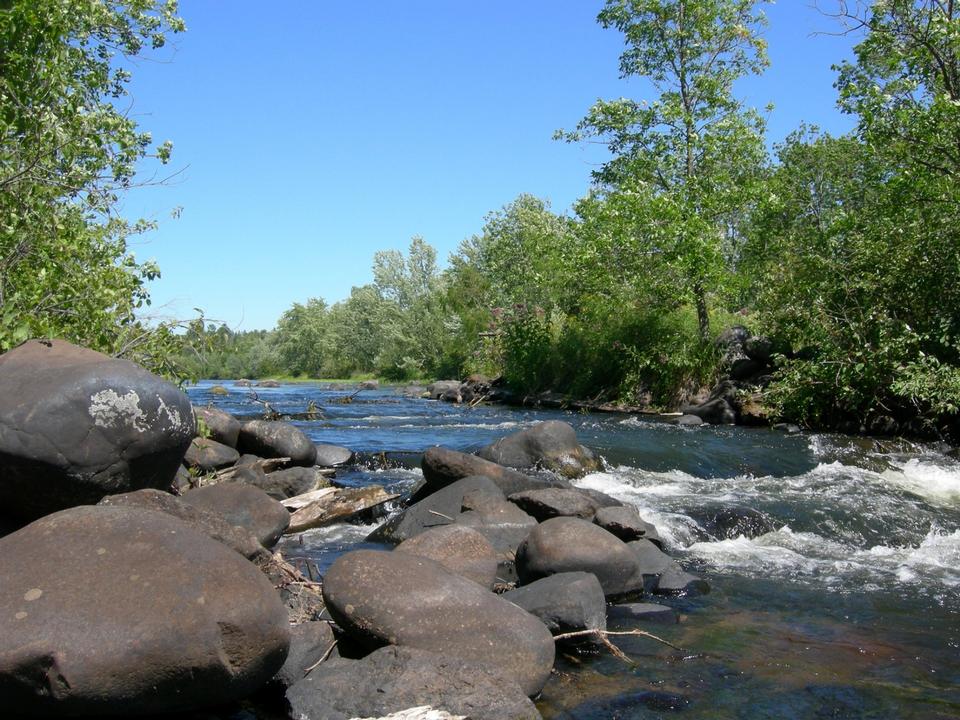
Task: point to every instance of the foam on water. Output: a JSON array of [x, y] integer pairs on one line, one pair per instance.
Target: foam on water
[[935, 481]]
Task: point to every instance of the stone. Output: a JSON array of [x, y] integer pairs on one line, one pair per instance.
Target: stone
[[221, 426], [182, 481], [286, 483], [731, 521], [688, 421], [411, 601], [550, 445], [565, 602], [210, 523], [126, 611], [400, 679], [332, 455], [555, 502], [245, 506], [273, 439], [268, 384], [505, 526], [630, 613], [310, 642], [626, 523], [442, 466], [219, 390], [458, 548], [76, 425], [677, 581], [370, 385], [209, 455], [568, 544], [441, 388], [651, 559]]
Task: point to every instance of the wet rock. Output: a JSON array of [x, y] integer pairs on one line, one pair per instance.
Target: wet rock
[[210, 523], [442, 466], [550, 445], [287, 483], [626, 523], [439, 508], [458, 548], [565, 602], [688, 421], [221, 426], [394, 679], [268, 384], [414, 602], [126, 611], [555, 502], [441, 388], [570, 545], [630, 613], [271, 439], [788, 428], [219, 390], [630, 705], [370, 385], [245, 506], [732, 521], [310, 642], [208, 455], [677, 581], [651, 559], [76, 425], [332, 455]]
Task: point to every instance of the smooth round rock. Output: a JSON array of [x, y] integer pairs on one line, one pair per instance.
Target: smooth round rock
[[271, 439], [415, 602], [332, 455], [555, 502], [442, 467], [76, 425], [550, 445], [565, 602], [245, 506], [283, 484], [626, 523], [458, 548], [208, 455], [221, 426], [123, 611]]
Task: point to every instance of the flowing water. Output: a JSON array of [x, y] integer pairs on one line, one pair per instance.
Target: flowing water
[[846, 606]]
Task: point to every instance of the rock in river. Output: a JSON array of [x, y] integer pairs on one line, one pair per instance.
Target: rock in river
[[221, 426], [550, 445], [411, 601], [271, 439], [76, 425], [208, 455], [243, 505], [565, 602], [124, 611], [442, 467], [458, 548]]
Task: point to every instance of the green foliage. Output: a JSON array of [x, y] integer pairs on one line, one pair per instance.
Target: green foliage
[[67, 153]]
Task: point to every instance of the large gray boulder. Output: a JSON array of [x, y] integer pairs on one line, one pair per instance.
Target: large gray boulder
[[208, 455], [565, 602], [556, 502], [286, 483], [332, 455], [570, 545], [625, 522], [441, 467], [550, 445], [243, 505], [221, 426], [410, 601], [76, 425], [458, 548], [394, 679], [123, 611], [273, 439]]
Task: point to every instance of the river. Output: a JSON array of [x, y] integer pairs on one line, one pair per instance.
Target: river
[[848, 607]]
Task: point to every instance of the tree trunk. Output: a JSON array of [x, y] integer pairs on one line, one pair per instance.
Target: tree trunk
[[703, 317]]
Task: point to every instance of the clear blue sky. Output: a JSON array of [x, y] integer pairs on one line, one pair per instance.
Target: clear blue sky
[[311, 134]]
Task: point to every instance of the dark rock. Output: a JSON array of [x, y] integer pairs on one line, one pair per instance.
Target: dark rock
[[715, 412], [250, 473], [458, 548], [565, 602], [271, 439], [245, 506], [452, 396], [126, 611], [555, 502], [283, 484], [732, 521], [332, 455], [440, 388], [745, 368], [626, 523], [309, 643], [76, 425], [788, 428], [505, 526], [182, 481], [550, 445], [630, 705], [688, 421], [883, 425], [243, 382], [415, 602], [221, 426], [268, 384], [439, 508], [570, 545], [394, 679], [209, 455], [207, 522], [759, 349], [630, 613], [650, 558], [442, 467], [676, 581], [601, 499]]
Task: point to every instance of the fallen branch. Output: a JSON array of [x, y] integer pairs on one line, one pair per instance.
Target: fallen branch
[[603, 637], [322, 659]]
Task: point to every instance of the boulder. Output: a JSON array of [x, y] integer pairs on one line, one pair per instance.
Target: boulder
[[442, 466], [677, 581], [210, 523], [245, 506], [272, 439], [732, 521], [505, 526], [625, 522], [209, 455], [458, 548], [125, 611], [550, 445], [221, 426], [440, 388], [720, 408], [182, 481], [631, 613], [415, 602], [332, 455], [219, 390], [439, 508], [396, 679], [568, 544], [688, 421], [310, 642], [370, 385], [268, 384], [565, 602], [76, 425], [287, 483], [555, 502], [651, 559]]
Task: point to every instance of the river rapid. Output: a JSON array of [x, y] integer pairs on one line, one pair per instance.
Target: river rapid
[[847, 606]]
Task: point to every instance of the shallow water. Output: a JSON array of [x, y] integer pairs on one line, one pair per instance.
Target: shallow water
[[849, 607]]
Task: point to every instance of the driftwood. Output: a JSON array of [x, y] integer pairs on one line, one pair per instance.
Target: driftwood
[[298, 501], [603, 636], [338, 506]]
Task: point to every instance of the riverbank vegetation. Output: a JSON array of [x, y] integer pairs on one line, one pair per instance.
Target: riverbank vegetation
[[842, 252]]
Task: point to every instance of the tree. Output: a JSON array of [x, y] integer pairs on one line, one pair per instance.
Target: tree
[[683, 166], [68, 150]]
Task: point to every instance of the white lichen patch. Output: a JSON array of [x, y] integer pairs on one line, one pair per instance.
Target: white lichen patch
[[174, 419], [109, 409]]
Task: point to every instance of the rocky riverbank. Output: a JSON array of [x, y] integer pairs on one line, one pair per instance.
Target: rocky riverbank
[[137, 575]]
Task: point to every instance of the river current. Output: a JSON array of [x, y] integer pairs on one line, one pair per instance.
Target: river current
[[847, 606]]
